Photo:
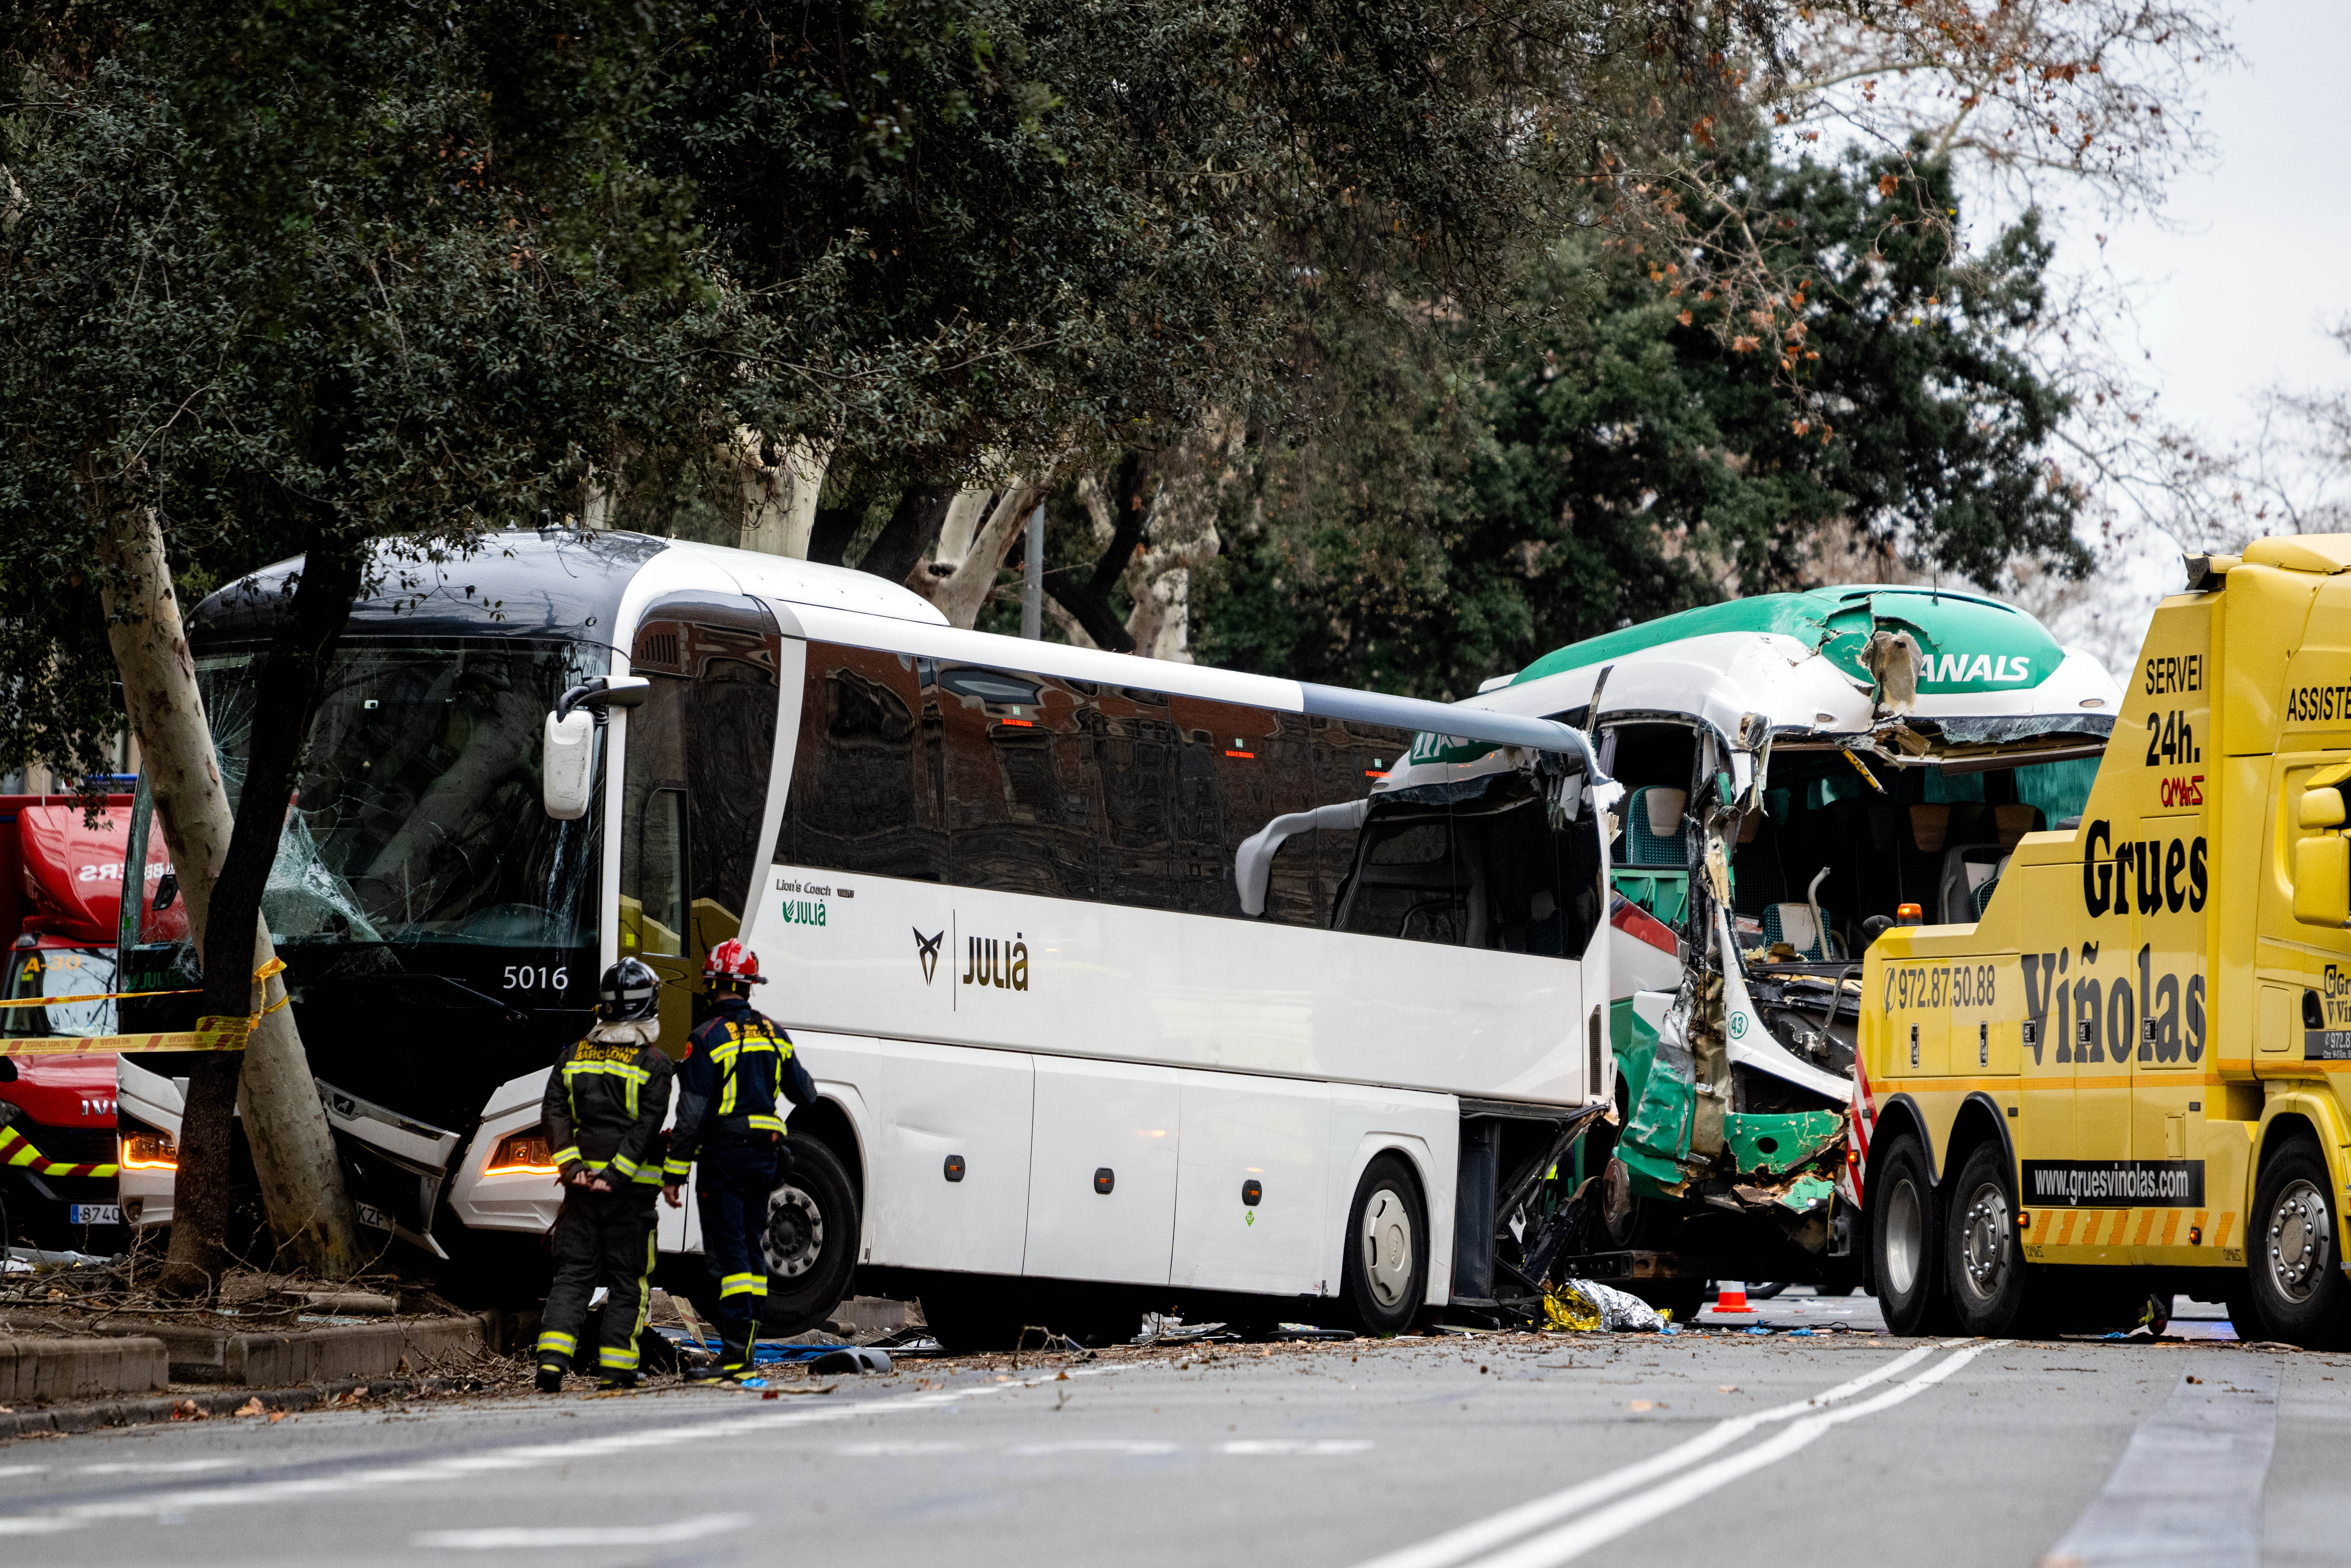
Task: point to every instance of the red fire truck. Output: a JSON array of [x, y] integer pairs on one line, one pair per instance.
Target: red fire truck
[[61, 898]]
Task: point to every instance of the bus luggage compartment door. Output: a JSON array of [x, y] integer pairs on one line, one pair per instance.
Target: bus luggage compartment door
[[1250, 1187], [949, 1183], [1101, 1181]]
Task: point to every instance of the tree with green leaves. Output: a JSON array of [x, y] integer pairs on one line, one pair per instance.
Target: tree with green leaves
[[1637, 449], [283, 280]]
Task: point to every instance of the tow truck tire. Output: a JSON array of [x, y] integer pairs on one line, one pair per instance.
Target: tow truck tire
[[809, 1244], [1904, 1244], [2294, 1251], [1983, 1261], [1385, 1278]]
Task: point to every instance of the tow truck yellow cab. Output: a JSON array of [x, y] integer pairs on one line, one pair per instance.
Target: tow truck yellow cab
[[2137, 1059]]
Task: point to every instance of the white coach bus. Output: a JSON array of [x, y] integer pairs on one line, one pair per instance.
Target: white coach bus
[[1125, 983]]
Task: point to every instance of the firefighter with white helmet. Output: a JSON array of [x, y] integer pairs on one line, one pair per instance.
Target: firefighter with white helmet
[[738, 1069], [602, 1115]]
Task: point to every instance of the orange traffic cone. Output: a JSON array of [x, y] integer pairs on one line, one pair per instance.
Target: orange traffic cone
[[1732, 1297]]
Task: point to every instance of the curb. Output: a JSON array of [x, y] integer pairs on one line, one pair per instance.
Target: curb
[[97, 1417], [303, 1356], [43, 1369]]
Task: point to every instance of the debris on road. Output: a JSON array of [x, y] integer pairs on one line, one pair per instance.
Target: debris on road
[[1580, 1306]]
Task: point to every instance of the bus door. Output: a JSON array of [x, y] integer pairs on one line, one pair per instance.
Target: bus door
[[695, 789]]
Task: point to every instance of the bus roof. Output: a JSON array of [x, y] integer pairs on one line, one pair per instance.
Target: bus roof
[[594, 587], [1796, 658]]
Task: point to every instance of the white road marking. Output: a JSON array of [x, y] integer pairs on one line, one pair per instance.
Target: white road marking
[[1570, 1542], [7, 1471], [1483, 1535], [2188, 1490], [506, 1538], [525, 1457], [1148, 1448], [155, 1466]]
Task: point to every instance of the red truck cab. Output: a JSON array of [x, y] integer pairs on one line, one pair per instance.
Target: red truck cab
[[60, 900]]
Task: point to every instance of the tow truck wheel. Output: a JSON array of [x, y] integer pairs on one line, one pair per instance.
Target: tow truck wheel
[[1386, 1276], [2295, 1254], [1904, 1255], [1983, 1260], [810, 1242]]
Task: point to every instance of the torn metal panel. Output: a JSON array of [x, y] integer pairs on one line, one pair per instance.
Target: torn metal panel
[[1775, 1144], [1754, 1045]]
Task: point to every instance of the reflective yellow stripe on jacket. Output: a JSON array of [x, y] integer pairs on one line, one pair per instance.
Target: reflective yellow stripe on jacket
[[634, 1076]]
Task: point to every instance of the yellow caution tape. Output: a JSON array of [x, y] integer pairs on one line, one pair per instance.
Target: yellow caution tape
[[17, 1151], [210, 1033]]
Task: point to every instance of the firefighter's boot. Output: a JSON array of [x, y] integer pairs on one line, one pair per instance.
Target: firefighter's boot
[[615, 1378], [552, 1370]]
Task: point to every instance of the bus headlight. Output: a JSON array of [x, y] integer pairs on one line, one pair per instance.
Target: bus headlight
[[150, 1152], [521, 1154]]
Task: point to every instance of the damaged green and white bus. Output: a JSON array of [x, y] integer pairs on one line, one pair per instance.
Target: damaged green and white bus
[[1802, 770]]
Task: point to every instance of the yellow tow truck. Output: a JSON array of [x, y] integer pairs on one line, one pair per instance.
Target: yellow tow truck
[[2127, 1078]]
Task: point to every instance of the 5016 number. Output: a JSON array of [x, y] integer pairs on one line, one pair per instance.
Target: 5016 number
[[538, 977]]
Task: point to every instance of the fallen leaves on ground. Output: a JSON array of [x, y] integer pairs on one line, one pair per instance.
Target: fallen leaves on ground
[[250, 1408]]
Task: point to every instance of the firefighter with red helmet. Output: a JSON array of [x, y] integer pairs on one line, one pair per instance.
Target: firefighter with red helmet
[[602, 1115], [738, 1069]]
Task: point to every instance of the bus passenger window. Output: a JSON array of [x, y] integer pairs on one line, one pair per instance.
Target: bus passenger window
[[1020, 792], [1410, 883], [867, 787]]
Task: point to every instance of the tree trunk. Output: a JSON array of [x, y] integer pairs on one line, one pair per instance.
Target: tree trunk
[[906, 539], [1119, 513], [294, 1156], [961, 594], [779, 488]]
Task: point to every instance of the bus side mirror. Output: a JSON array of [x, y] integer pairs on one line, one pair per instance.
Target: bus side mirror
[[2321, 808], [2321, 873], [567, 764], [567, 759]]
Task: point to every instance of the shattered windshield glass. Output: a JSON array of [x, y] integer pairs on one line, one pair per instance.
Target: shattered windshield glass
[[417, 815], [61, 972]]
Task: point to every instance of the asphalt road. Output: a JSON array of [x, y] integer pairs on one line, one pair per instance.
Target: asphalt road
[[1843, 1445]]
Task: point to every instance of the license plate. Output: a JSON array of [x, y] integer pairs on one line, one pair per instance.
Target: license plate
[[94, 1213]]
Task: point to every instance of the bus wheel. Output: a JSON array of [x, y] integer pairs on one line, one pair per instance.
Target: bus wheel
[[1904, 1254], [2298, 1292], [809, 1244], [1983, 1261], [1386, 1276]]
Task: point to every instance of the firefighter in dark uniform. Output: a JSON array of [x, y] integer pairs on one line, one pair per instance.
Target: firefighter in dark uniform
[[738, 1069], [606, 1100]]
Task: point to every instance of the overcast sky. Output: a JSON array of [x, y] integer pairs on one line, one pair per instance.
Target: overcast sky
[[2234, 296]]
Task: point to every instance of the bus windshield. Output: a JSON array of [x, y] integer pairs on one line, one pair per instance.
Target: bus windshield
[[416, 813]]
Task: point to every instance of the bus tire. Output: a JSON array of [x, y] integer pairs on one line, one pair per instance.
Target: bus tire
[[2295, 1254], [1905, 1253], [1983, 1261], [809, 1244], [1385, 1278]]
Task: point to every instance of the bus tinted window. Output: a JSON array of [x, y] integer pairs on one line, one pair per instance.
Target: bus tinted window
[[1018, 782], [1020, 796], [867, 780]]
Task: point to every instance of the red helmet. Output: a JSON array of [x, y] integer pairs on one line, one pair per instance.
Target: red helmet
[[730, 960]]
